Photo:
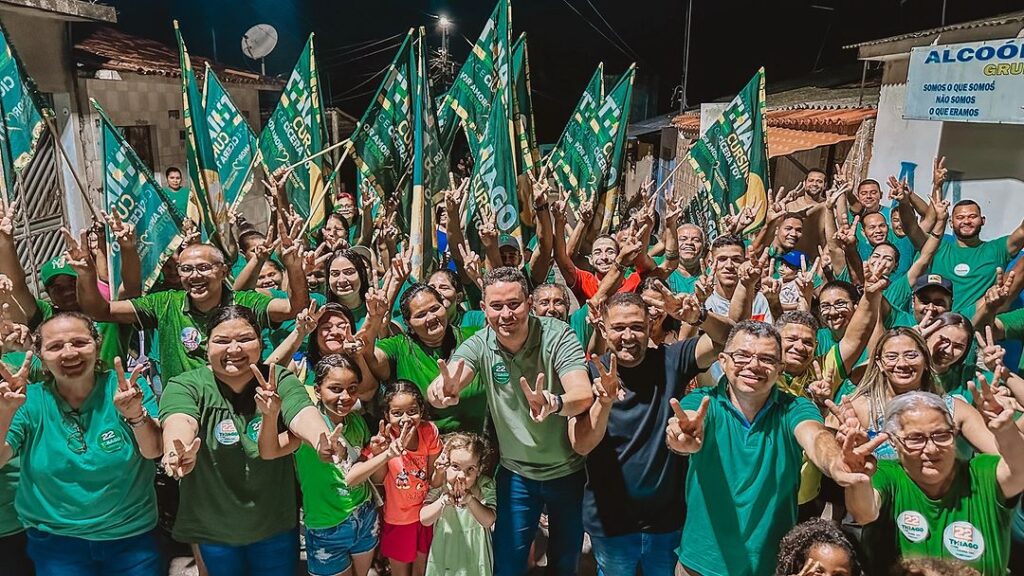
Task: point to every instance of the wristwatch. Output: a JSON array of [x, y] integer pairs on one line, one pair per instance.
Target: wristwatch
[[561, 404], [700, 320]]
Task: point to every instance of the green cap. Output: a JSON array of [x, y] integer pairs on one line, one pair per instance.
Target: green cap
[[56, 267]]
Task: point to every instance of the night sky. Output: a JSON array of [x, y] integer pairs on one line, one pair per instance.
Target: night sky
[[730, 38]]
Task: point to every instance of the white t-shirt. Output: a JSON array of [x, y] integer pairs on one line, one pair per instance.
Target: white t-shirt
[[719, 305]]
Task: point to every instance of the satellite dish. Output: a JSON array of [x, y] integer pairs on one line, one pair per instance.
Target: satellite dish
[[259, 41]]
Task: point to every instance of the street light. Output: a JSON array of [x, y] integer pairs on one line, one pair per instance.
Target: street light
[[444, 22]]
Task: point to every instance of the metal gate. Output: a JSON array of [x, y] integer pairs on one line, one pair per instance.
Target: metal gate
[[39, 201]]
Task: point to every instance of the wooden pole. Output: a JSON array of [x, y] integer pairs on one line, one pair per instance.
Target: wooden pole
[[313, 209], [64, 154], [316, 155], [33, 265]]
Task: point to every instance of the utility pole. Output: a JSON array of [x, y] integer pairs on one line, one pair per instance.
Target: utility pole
[[686, 60]]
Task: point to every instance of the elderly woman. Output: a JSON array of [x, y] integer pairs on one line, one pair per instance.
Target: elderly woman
[[929, 503], [83, 436]]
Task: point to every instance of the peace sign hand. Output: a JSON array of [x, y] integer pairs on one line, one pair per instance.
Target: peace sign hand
[[180, 460], [128, 398], [379, 442], [997, 416], [396, 448], [123, 232], [811, 567], [685, 434], [858, 461], [267, 399], [991, 354], [821, 388], [542, 402], [13, 387], [445, 392], [939, 172], [606, 386], [78, 255]]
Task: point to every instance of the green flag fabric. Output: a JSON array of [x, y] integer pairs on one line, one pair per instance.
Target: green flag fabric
[[23, 117], [527, 153], [493, 182], [484, 72], [731, 160], [613, 118], [234, 142], [130, 190], [296, 131], [202, 162], [571, 162]]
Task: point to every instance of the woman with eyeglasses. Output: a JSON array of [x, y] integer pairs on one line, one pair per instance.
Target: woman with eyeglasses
[[84, 436], [901, 363], [930, 503]]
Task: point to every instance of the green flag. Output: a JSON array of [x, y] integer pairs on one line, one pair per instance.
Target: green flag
[[731, 159], [613, 117], [234, 142], [202, 162], [571, 164], [382, 143], [493, 182], [482, 75], [522, 109], [296, 131], [23, 117], [429, 169], [130, 190]]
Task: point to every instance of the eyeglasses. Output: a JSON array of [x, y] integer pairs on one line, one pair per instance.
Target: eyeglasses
[[839, 306], [188, 269], [893, 357], [743, 358], [917, 442]]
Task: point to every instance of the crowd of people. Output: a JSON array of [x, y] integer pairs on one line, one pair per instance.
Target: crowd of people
[[827, 393]]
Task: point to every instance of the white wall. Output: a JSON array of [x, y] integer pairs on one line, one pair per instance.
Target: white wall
[[898, 141]]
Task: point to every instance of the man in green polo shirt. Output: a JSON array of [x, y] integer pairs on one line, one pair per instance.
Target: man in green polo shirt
[[535, 375], [746, 441], [182, 314]]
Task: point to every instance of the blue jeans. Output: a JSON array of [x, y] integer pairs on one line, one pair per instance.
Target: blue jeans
[[329, 551], [277, 555], [520, 503], [655, 553], [56, 555]]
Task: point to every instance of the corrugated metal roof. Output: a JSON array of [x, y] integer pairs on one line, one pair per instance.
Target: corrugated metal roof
[[834, 120], [107, 48], [990, 21]]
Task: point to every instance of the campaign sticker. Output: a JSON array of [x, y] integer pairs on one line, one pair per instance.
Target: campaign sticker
[[252, 429], [190, 338], [499, 373], [962, 269], [963, 541], [226, 433], [111, 441], [913, 525]]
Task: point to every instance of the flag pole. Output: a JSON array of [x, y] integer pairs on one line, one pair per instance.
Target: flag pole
[[337, 166], [668, 178], [318, 154], [34, 266], [71, 167]]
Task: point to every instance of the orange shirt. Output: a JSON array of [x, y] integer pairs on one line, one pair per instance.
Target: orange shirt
[[408, 478]]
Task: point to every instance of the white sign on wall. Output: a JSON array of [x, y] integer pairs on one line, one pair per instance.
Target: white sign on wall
[[975, 82]]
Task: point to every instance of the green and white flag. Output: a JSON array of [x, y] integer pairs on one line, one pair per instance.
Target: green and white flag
[[613, 118], [296, 131], [571, 163], [482, 75], [234, 142], [130, 190], [382, 143], [23, 117], [522, 109], [731, 160], [202, 160]]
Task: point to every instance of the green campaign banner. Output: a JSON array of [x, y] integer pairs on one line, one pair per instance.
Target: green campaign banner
[[234, 142], [429, 169], [296, 131], [522, 109], [482, 75], [130, 190], [613, 117], [23, 117], [202, 163], [382, 143], [731, 159], [571, 163]]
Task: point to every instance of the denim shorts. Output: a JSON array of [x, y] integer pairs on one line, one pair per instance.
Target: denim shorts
[[329, 551]]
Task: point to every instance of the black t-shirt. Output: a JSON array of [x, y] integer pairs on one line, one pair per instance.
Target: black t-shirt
[[634, 483]]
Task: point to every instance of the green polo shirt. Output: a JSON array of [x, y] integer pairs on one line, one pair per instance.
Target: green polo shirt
[[741, 488], [326, 499], [538, 451], [581, 327], [411, 360], [971, 269], [183, 328], [233, 496], [114, 337], [81, 471], [11, 472]]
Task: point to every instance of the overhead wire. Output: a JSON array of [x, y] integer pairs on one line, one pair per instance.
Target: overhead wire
[[598, 30], [636, 56], [361, 84]]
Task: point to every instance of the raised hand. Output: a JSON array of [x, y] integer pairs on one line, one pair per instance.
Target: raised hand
[[824, 258], [7, 216], [379, 442], [858, 461], [180, 460], [811, 567], [190, 232], [78, 255], [123, 232], [939, 172], [488, 229], [14, 386], [990, 353], [542, 402], [997, 416], [820, 389], [875, 279], [313, 260], [291, 239], [471, 265], [999, 293], [397, 445], [128, 398], [846, 236], [445, 392], [606, 386], [586, 210], [897, 190], [685, 434], [267, 399], [928, 324]]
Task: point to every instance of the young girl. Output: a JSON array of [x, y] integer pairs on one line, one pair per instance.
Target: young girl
[[340, 515], [462, 511], [402, 457]]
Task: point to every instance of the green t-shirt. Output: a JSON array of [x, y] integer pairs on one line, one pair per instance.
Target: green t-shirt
[[538, 451], [233, 496], [114, 336], [273, 336], [410, 360], [1013, 326], [326, 499], [183, 328], [898, 319], [580, 327], [971, 270], [472, 319], [899, 292], [461, 545], [81, 472], [11, 472], [970, 523], [741, 488]]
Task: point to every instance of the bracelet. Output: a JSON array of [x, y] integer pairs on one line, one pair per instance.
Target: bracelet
[[621, 267], [701, 319], [540, 207], [935, 235], [561, 404], [671, 255], [140, 421]]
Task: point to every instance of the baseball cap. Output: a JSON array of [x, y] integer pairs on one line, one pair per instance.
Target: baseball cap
[[929, 280], [508, 241], [792, 258], [57, 267]]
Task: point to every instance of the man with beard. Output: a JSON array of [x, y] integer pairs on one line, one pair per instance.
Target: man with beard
[[746, 439], [633, 505], [691, 254], [182, 315], [552, 300]]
